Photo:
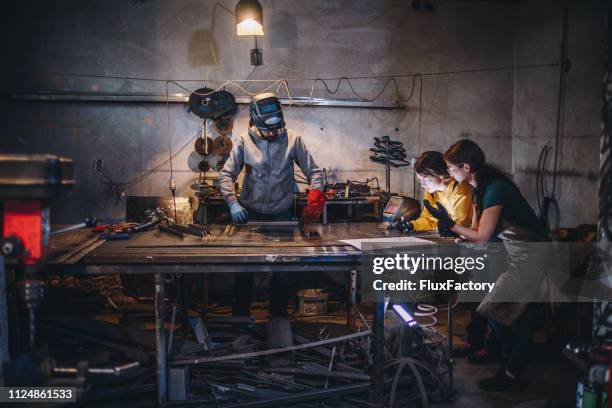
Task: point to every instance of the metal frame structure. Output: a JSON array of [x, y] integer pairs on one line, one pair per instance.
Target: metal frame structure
[[182, 98], [129, 257]]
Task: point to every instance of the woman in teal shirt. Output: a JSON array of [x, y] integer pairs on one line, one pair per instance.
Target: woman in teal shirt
[[501, 214]]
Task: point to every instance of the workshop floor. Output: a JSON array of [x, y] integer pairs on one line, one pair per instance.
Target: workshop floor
[[550, 378]]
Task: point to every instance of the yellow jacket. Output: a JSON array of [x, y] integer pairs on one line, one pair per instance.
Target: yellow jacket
[[457, 199]]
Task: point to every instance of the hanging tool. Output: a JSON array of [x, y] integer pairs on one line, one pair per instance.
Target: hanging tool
[[390, 153]]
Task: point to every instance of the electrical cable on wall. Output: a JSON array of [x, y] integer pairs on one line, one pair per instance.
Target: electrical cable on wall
[[284, 83], [436, 73], [172, 181], [545, 195], [116, 190], [548, 199], [605, 170]]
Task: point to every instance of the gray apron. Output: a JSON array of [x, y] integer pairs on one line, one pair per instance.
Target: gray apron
[[522, 280]]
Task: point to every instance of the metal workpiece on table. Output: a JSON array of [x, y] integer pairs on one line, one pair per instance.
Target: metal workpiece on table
[[228, 248]]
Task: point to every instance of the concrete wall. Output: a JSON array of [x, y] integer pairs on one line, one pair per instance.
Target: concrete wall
[[538, 40], [195, 39]]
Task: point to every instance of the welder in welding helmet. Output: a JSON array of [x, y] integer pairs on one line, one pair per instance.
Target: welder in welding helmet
[[267, 155], [267, 115]]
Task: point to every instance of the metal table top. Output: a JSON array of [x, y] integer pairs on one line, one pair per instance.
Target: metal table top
[[258, 248]]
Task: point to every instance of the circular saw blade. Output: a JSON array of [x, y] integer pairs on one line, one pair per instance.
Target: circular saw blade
[[223, 125], [204, 147], [201, 103], [223, 145], [224, 103], [203, 166]]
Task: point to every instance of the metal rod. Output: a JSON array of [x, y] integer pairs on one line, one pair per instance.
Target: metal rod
[[117, 370], [160, 340], [388, 169], [272, 351], [331, 365], [351, 299], [68, 229], [32, 331], [320, 373], [183, 98], [269, 224], [169, 350], [4, 326], [378, 356], [299, 397]]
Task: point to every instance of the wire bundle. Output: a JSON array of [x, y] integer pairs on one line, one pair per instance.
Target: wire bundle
[[546, 196], [605, 170]]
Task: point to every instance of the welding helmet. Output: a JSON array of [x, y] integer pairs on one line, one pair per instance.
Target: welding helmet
[[266, 113]]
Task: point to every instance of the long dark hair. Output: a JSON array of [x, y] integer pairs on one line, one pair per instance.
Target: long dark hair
[[431, 163], [467, 152]]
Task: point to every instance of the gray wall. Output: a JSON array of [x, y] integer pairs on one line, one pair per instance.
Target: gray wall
[[195, 39], [538, 39]]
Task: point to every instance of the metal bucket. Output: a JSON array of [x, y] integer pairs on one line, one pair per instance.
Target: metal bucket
[[312, 302]]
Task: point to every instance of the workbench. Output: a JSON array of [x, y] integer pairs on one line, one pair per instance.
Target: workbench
[[280, 247]]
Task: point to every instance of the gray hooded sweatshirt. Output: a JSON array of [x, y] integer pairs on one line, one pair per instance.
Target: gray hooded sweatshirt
[[268, 181]]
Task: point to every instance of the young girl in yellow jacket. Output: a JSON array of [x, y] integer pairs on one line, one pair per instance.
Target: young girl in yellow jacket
[[439, 186]]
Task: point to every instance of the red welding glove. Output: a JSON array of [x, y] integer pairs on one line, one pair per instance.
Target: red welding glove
[[312, 212]]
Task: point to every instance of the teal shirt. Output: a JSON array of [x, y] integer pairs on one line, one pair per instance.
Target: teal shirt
[[515, 208]]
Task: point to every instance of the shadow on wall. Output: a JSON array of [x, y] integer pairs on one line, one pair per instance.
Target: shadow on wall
[[284, 26], [203, 49]]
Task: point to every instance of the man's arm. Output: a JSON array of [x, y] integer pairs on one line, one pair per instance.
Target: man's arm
[[308, 166], [230, 171]]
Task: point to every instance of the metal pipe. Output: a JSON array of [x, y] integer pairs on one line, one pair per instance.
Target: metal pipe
[[89, 222], [160, 341], [117, 370], [272, 351], [68, 229], [4, 337], [352, 299], [182, 98], [331, 365], [320, 373], [294, 398], [378, 355]]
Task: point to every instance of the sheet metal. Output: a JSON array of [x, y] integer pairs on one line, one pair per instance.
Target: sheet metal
[[258, 248]]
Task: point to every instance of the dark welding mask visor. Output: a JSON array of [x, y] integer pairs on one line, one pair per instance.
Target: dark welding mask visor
[[267, 114]]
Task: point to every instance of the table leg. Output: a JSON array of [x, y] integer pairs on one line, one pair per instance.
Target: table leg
[[205, 290], [351, 300], [451, 360], [160, 340], [325, 213], [378, 356]]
